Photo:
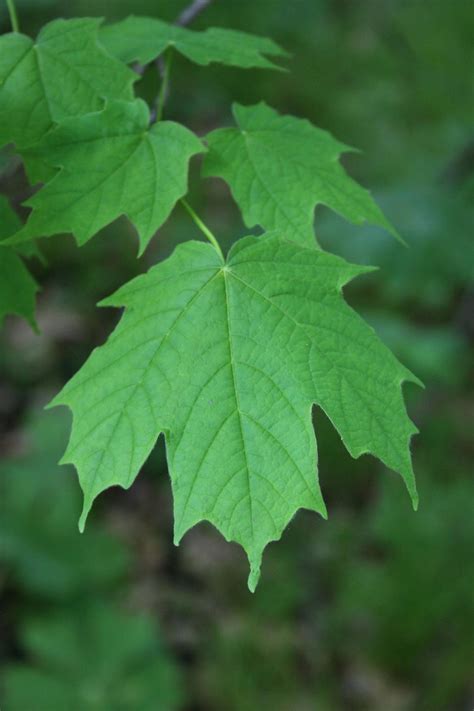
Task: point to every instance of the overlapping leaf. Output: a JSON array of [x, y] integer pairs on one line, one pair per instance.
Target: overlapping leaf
[[227, 359], [65, 73], [280, 167], [112, 164], [17, 286], [143, 39]]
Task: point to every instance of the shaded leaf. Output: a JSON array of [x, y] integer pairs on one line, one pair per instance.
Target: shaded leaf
[[17, 287], [143, 39], [9, 220]]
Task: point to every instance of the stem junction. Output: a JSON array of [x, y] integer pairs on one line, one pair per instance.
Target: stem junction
[[204, 229]]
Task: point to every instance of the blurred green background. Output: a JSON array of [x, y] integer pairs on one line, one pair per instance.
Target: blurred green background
[[371, 610]]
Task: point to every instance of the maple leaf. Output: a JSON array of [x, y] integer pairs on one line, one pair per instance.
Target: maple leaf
[[280, 167], [9, 220], [65, 73], [112, 164], [143, 39], [227, 360], [17, 286]]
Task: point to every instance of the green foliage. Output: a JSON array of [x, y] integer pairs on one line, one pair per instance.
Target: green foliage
[[17, 286], [65, 73], [238, 352], [256, 666], [420, 614], [97, 659], [430, 272], [39, 502], [112, 164], [143, 39], [280, 167], [9, 220], [225, 357], [439, 353]]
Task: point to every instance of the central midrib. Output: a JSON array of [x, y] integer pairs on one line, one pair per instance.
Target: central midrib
[[235, 388]]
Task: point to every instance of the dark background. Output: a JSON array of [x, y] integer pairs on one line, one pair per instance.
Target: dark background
[[373, 609]]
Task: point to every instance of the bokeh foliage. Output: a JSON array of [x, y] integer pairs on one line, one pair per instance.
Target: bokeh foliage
[[372, 609]]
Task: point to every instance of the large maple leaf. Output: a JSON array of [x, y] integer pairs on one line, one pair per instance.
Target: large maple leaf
[[227, 358]]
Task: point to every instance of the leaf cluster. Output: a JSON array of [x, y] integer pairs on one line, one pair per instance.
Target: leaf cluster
[[225, 356]]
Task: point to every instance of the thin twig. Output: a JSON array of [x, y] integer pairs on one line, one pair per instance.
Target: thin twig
[[190, 13], [186, 17], [157, 112], [139, 68], [162, 64]]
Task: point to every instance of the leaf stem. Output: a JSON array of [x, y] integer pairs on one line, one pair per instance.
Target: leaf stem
[[204, 229], [164, 88], [13, 15], [163, 62]]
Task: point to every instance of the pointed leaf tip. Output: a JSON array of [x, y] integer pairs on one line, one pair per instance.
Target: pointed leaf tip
[[254, 576], [87, 505]]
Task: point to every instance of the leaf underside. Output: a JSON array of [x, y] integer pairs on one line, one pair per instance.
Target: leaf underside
[[112, 164], [142, 39], [227, 361], [280, 167]]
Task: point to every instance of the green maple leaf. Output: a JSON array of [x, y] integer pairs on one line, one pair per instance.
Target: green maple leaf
[[227, 360], [143, 39], [64, 73], [112, 164], [17, 287], [9, 220], [280, 167], [94, 658]]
